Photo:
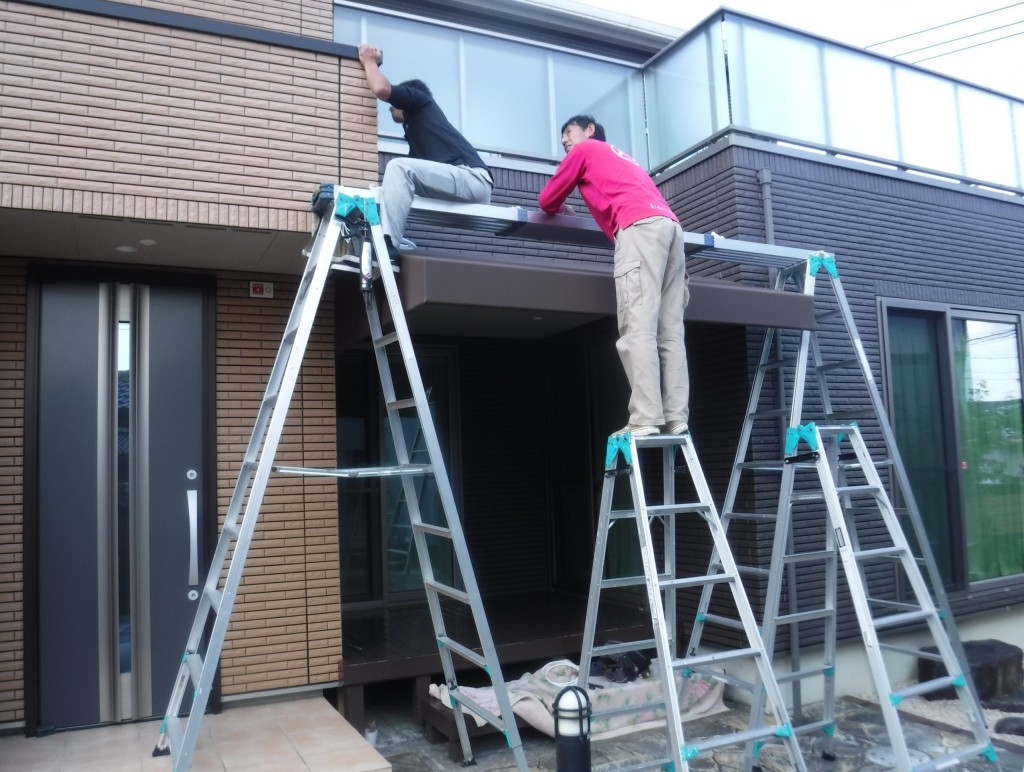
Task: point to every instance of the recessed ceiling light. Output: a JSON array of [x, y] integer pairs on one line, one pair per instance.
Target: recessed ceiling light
[[126, 248], [148, 242]]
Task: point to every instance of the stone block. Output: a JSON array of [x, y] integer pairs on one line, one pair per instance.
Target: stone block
[[996, 668]]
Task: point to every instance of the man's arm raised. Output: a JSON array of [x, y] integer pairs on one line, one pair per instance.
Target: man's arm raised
[[371, 57]]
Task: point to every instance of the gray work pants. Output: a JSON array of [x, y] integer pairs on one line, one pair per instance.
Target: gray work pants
[[651, 292], [406, 177]]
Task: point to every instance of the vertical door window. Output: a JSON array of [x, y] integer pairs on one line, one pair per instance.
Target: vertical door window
[[958, 415], [988, 394]]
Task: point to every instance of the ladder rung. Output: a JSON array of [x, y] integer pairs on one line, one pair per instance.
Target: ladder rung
[[195, 667], [622, 514], [630, 581], [800, 675], [809, 557], [896, 605], [367, 471], [750, 516], [175, 733], [401, 404], [746, 570], [622, 646], [813, 726], [895, 620], [693, 581], [851, 489], [894, 551], [723, 621], [954, 758], [838, 365], [805, 616], [214, 595], [927, 687], [715, 658], [777, 363], [830, 314], [932, 655], [677, 509], [434, 530], [770, 413], [230, 531], [385, 340], [447, 590], [477, 708], [465, 652], [734, 738], [269, 400]]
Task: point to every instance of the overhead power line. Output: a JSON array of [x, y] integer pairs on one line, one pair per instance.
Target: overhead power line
[[947, 24], [967, 48], [962, 37]]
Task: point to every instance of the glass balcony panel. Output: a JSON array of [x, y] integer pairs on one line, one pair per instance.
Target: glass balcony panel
[[861, 103], [929, 133], [988, 142], [1018, 131], [776, 81], [687, 100]]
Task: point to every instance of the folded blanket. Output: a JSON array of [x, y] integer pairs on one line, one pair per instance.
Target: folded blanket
[[533, 696]]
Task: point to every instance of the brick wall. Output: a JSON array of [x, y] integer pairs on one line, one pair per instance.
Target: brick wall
[[12, 436], [113, 117], [285, 629]]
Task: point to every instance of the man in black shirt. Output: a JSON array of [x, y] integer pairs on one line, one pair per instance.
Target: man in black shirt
[[440, 164]]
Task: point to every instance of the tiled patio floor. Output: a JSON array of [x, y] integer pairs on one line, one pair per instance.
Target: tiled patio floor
[[292, 736]]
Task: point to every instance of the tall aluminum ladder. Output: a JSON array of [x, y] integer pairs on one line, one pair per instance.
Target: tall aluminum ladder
[[895, 585], [664, 577], [351, 217]]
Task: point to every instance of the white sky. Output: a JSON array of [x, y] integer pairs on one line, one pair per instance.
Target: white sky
[[997, 65]]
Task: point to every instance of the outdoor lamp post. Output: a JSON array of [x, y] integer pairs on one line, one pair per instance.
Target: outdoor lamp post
[[572, 730]]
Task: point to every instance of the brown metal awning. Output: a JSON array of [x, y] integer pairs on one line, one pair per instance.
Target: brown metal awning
[[484, 296]]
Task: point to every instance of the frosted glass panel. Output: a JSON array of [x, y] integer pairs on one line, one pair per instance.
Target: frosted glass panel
[[1018, 132], [687, 99], [861, 103], [776, 83], [506, 96], [987, 136], [928, 121], [597, 88]]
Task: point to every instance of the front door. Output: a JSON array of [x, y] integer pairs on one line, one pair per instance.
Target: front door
[[121, 481]]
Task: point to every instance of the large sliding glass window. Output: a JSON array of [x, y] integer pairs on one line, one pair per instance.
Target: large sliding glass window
[[955, 393]]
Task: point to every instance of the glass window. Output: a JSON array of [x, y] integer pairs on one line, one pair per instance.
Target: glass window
[[955, 382], [1018, 133]]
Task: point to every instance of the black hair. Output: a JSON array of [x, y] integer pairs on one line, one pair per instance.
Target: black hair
[[417, 84], [583, 121]]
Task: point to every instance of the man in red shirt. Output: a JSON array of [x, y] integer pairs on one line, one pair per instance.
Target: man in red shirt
[[651, 286]]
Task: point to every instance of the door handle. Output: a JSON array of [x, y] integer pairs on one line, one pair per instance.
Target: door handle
[[193, 536]]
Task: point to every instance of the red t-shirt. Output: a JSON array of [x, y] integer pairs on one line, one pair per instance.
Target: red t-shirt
[[617, 190]]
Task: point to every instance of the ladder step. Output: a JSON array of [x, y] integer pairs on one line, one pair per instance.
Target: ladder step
[[832, 313], [446, 590], [622, 646], [920, 653], [735, 738], [770, 412], [631, 581], [472, 705], [367, 471], [927, 687], [772, 465], [433, 530], [805, 616], [723, 621], [269, 400], [215, 597], [715, 658], [895, 620], [694, 581], [852, 489], [385, 340], [656, 510], [401, 404], [765, 516], [838, 365], [809, 557], [953, 759], [800, 675], [894, 551], [175, 729], [468, 654], [757, 571], [774, 364], [195, 667]]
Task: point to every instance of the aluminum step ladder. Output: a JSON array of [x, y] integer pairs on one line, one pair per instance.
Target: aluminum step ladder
[[348, 238], [845, 398], [664, 577]]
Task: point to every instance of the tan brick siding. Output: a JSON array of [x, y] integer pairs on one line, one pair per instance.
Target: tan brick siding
[[12, 455], [286, 626], [309, 18], [126, 119]]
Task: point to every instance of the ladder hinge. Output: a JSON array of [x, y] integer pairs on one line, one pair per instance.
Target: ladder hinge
[[808, 433], [826, 261], [616, 443]]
